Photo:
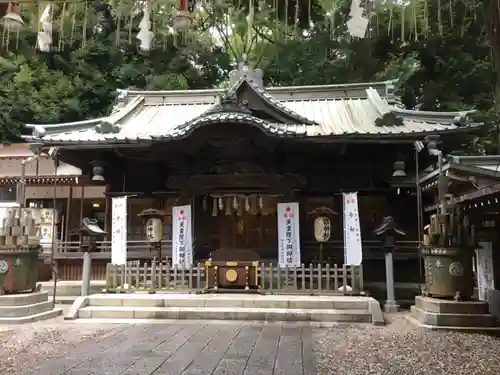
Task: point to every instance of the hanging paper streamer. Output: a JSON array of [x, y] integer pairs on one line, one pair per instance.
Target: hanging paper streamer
[[44, 37], [357, 24], [145, 34]]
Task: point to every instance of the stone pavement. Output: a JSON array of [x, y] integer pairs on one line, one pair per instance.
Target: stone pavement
[[192, 349]]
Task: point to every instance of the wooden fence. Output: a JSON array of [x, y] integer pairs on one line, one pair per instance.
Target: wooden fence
[[311, 279], [135, 250]]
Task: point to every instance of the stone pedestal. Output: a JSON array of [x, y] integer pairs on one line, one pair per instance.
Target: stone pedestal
[[439, 313], [26, 308]]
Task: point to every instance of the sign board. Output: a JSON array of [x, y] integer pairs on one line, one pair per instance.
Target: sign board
[[484, 269], [182, 241], [353, 250], [119, 230], [288, 235]]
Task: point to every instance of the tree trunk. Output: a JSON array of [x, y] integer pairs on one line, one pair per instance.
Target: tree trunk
[[492, 8]]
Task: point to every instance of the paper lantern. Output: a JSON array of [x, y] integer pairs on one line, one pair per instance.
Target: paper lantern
[[322, 229]]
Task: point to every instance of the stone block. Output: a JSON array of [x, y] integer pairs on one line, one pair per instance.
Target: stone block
[[147, 313], [85, 313], [95, 301], [183, 302], [226, 302], [26, 310], [32, 318], [441, 306], [453, 320], [111, 313], [197, 313], [143, 302], [78, 304], [23, 299]]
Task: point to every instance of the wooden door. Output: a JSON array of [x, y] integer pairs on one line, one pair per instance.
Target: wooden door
[[255, 232]]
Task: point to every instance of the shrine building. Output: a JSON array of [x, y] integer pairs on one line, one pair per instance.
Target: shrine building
[[234, 154]]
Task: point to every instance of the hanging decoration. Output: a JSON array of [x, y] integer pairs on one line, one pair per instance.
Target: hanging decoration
[[358, 23], [182, 22], [214, 207], [241, 209], [12, 20], [239, 204], [145, 34], [229, 210], [44, 37]]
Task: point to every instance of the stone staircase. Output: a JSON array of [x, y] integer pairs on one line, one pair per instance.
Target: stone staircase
[[254, 307], [26, 308]]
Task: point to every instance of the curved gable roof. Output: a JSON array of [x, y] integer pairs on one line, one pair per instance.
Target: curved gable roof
[[352, 110]]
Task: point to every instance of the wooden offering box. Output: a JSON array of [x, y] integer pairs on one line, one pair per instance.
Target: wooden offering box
[[232, 270]]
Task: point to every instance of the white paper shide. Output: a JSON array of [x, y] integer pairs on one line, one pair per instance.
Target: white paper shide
[[119, 230], [353, 251], [182, 244], [289, 235]]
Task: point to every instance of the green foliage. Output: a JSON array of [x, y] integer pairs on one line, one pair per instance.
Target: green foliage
[[439, 52]]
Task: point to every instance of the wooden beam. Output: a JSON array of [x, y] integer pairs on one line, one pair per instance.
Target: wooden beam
[[488, 190]]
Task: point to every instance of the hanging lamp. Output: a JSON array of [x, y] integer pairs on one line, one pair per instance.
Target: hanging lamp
[[12, 19]]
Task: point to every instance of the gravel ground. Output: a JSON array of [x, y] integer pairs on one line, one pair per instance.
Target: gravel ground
[[401, 348], [23, 347]]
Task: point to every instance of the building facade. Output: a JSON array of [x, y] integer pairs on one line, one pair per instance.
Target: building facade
[[234, 154]]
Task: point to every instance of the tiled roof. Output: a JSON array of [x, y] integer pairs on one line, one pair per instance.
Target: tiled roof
[[334, 110]]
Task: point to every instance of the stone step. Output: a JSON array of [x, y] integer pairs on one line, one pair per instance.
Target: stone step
[[32, 318], [230, 301], [225, 313], [458, 320], [23, 299], [26, 310]]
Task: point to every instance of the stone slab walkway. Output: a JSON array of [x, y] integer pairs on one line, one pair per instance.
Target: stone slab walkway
[[191, 349]]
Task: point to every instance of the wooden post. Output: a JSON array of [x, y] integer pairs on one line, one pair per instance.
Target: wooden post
[[68, 210], [81, 204], [106, 214]]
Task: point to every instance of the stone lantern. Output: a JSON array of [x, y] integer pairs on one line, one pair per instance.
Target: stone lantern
[[89, 233], [388, 231]]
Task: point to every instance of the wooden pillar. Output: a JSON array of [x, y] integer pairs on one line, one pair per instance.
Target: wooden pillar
[[81, 203], [68, 210], [107, 211]]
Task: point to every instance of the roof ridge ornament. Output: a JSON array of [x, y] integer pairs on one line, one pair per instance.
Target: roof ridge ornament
[[107, 127], [389, 119], [244, 72]]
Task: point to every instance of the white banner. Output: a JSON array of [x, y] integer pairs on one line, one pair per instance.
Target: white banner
[[182, 244], [484, 269], [289, 235], [353, 250], [119, 230]]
